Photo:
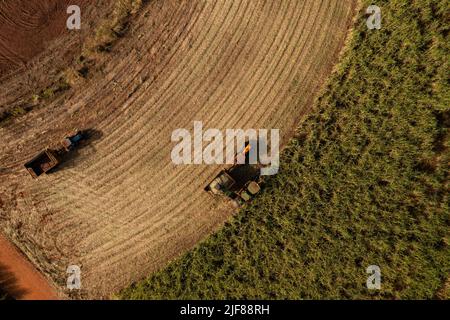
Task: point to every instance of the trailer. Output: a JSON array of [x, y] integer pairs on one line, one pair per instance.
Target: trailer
[[42, 163], [50, 158]]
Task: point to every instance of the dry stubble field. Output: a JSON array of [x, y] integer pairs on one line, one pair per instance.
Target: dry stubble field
[[119, 208]]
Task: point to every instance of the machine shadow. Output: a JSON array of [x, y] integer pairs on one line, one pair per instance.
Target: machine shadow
[[71, 158], [9, 288]]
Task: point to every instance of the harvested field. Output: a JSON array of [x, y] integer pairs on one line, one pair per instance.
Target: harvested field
[[26, 28], [119, 208]]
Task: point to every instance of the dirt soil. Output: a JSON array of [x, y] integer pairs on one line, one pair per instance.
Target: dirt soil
[[20, 278], [119, 208], [26, 27]]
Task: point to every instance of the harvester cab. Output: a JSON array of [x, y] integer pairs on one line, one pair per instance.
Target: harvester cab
[[241, 182]]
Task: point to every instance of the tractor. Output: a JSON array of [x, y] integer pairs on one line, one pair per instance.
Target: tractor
[[50, 158]]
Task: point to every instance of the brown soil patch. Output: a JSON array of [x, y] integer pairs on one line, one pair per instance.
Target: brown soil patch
[[26, 28]]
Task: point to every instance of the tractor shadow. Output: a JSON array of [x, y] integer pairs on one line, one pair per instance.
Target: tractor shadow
[[86, 146]]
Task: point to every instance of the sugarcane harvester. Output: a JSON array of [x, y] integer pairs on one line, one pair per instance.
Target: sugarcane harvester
[[241, 182], [50, 158]]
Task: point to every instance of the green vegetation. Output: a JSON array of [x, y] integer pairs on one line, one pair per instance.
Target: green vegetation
[[56, 88], [113, 27], [109, 31], [50, 92], [17, 111], [363, 183]]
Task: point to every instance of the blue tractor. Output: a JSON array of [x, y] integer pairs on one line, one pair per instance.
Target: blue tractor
[[52, 157]]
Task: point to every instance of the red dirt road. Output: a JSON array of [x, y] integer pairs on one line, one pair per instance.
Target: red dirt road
[[19, 276]]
